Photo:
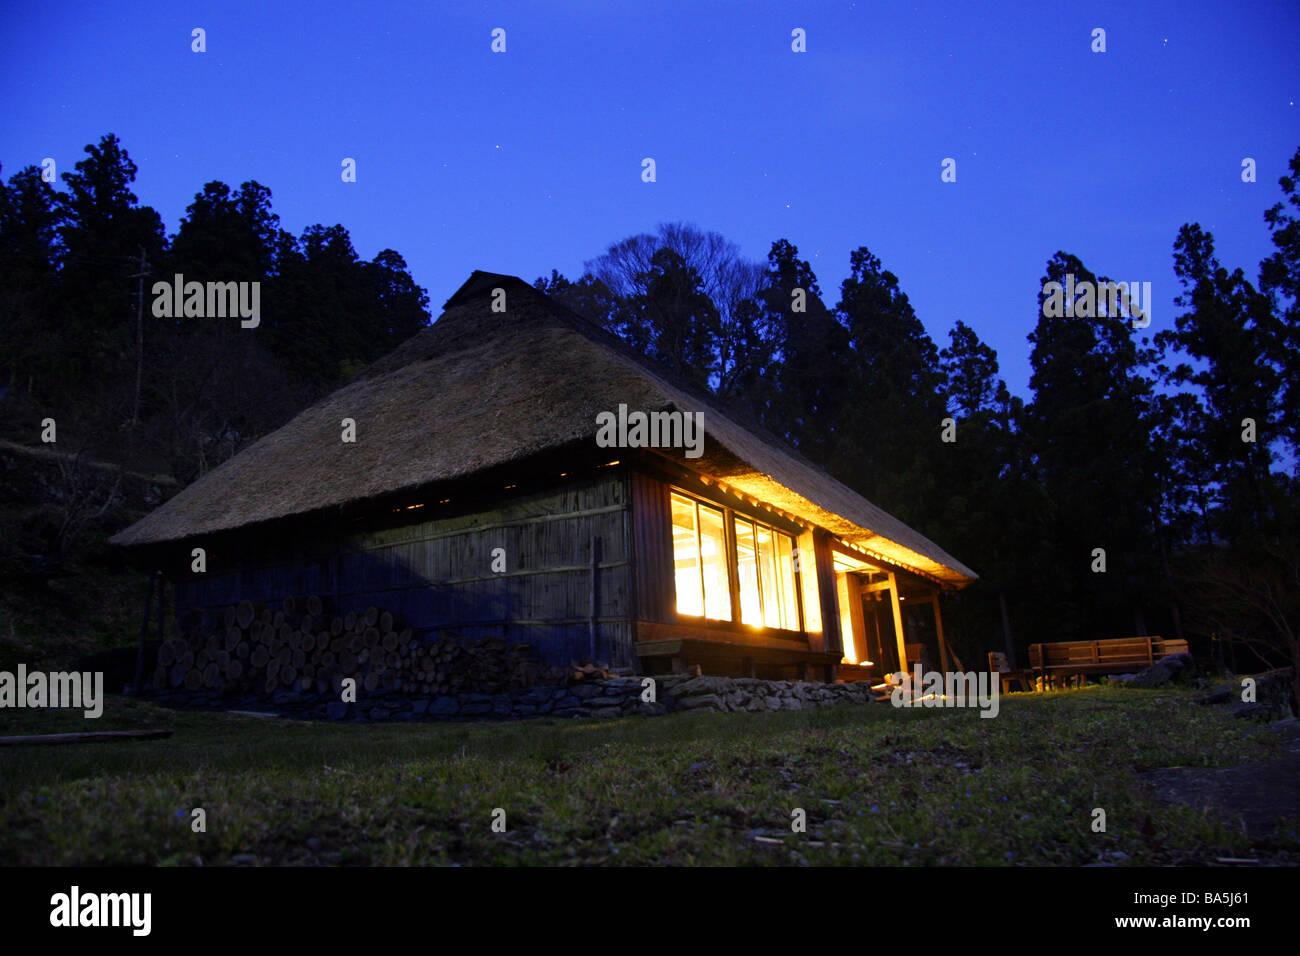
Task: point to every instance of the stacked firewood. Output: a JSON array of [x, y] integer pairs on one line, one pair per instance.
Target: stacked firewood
[[254, 648], [449, 665]]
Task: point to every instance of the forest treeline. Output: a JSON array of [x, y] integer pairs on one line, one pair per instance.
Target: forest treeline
[[1146, 485], [80, 337]]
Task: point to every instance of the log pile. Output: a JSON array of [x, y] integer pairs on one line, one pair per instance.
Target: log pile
[[300, 645], [449, 665]]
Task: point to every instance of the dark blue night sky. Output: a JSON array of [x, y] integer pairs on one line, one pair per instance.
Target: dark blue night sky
[[531, 160]]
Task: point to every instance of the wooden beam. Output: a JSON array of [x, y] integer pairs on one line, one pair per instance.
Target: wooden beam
[[713, 651], [877, 586], [748, 636], [842, 595], [859, 626], [830, 605], [898, 621], [733, 562], [593, 584], [101, 736], [810, 596], [938, 627]]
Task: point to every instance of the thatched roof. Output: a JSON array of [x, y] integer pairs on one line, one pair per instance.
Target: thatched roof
[[479, 389]]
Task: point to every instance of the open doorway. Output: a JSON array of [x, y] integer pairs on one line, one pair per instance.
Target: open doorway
[[878, 624], [889, 619], [869, 620]]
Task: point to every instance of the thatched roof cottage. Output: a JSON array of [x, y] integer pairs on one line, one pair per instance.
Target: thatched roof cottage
[[502, 480]]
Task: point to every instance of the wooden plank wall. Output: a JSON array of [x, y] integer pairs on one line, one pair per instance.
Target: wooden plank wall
[[656, 598], [438, 574]]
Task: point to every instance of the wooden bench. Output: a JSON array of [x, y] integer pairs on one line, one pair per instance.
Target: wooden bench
[[1112, 656]]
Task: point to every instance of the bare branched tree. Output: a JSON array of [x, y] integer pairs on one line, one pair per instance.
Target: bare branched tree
[[728, 279], [84, 492], [1253, 601]]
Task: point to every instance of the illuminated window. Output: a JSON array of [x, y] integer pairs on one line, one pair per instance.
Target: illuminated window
[[700, 560], [765, 573], [713, 554], [785, 583], [751, 605], [686, 558], [761, 558]]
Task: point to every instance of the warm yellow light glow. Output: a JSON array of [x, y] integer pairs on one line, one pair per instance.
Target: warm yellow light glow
[[700, 560], [846, 618], [847, 562], [717, 582], [788, 602], [765, 576], [751, 607], [686, 566]]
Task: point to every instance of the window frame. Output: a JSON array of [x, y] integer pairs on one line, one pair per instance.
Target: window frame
[[730, 517]]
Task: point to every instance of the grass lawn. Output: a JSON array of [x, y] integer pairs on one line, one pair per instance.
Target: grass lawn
[[879, 786]]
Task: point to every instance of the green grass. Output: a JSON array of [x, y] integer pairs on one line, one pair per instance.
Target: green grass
[[879, 786]]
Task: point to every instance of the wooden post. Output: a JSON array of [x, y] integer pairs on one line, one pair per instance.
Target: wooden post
[[144, 633], [825, 571], [810, 598], [856, 622], [595, 602], [938, 628], [898, 621], [733, 564], [850, 599]]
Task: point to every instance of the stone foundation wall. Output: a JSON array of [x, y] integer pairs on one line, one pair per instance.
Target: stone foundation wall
[[609, 697], [752, 694]]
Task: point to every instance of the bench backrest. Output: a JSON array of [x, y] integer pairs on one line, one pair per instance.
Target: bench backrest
[[1108, 651]]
